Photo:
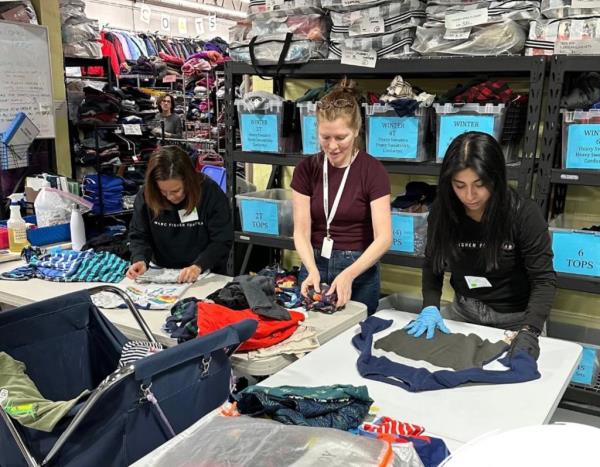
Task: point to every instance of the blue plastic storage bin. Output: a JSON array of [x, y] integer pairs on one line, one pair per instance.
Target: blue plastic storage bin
[[218, 174], [48, 235]]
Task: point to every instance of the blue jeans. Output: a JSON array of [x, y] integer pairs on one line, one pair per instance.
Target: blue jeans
[[365, 288]]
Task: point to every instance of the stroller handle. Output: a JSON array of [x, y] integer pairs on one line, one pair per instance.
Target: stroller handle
[[132, 308]]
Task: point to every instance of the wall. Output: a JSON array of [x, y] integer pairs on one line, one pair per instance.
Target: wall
[[127, 15]]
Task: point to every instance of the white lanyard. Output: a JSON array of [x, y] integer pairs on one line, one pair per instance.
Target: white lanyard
[[330, 215]]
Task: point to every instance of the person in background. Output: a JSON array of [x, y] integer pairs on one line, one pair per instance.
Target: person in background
[[342, 231], [181, 219], [494, 243], [172, 121]]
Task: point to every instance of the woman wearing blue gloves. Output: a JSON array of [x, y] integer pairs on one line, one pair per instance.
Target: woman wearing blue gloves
[[494, 243]]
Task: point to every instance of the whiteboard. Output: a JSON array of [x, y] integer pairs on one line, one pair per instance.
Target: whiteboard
[[25, 78]]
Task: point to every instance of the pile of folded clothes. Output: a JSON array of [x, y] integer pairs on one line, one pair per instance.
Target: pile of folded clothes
[[98, 107], [112, 193]]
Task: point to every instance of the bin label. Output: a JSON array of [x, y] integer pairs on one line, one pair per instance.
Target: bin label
[[259, 133], [260, 216], [576, 253], [393, 137], [403, 234], [310, 143], [587, 369], [583, 146], [452, 126]]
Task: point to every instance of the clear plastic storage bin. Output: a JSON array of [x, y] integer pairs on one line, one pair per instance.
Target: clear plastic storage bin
[[392, 137], [260, 129], [409, 232], [576, 251], [455, 119], [581, 139], [586, 373], [267, 212], [308, 125]]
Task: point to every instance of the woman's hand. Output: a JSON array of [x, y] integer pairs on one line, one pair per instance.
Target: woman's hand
[[189, 274], [136, 269], [342, 284], [313, 279]]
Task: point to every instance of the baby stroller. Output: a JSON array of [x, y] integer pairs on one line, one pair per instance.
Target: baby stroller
[[68, 346]]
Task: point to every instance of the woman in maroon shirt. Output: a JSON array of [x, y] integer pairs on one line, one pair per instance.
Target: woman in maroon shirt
[[341, 236]]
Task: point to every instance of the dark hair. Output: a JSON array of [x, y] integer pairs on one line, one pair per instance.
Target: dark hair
[[171, 162], [165, 97], [483, 154]]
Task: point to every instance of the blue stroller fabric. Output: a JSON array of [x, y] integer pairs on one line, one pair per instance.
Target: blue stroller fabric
[[522, 367], [341, 406], [68, 346]]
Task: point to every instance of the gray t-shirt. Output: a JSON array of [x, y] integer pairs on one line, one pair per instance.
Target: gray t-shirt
[[173, 125]]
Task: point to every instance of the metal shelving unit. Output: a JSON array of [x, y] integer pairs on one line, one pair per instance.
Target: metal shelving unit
[[432, 67], [550, 194]]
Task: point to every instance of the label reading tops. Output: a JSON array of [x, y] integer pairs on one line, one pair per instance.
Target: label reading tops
[[367, 25], [260, 216], [583, 146], [403, 234], [259, 133], [393, 137], [365, 58], [576, 252], [452, 126], [466, 19], [310, 143]]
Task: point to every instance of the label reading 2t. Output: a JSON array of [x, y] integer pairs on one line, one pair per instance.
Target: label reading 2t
[[260, 216], [259, 133], [452, 126]]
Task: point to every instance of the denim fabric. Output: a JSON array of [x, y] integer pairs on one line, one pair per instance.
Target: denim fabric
[[365, 288], [471, 310]]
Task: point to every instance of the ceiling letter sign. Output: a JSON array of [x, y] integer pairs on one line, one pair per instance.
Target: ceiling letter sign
[[199, 22], [165, 22], [145, 14], [183, 26], [212, 22]]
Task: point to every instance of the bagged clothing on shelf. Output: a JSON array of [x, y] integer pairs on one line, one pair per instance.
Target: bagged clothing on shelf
[[393, 15], [521, 11], [545, 35], [268, 50], [306, 22], [521, 367], [345, 5], [340, 406], [395, 44], [488, 39], [260, 6], [22, 401], [564, 9]]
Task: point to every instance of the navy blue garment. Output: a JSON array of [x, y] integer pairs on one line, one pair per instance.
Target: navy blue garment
[[340, 406], [522, 367], [365, 288]]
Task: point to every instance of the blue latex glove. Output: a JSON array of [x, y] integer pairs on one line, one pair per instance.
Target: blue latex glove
[[429, 319]]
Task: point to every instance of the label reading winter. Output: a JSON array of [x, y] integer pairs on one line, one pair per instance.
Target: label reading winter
[[453, 125], [259, 133], [583, 146], [393, 137]]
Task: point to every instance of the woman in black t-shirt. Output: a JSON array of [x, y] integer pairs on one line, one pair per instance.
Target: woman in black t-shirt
[[494, 243]]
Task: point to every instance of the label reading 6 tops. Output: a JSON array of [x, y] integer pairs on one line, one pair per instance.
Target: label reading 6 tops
[[583, 146], [576, 252], [393, 137], [260, 216], [403, 237], [259, 133], [452, 126], [310, 144]]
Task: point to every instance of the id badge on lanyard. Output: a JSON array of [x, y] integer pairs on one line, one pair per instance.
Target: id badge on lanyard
[[327, 247]]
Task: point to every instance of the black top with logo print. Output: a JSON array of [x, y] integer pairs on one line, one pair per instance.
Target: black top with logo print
[[525, 279]]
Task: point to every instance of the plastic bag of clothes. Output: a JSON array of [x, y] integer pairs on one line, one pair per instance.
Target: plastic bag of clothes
[[565, 9], [490, 39], [546, 34], [271, 50], [395, 44], [260, 6], [245, 441], [310, 23]]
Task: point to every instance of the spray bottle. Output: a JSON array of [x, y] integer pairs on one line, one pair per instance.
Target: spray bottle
[[17, 228]]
